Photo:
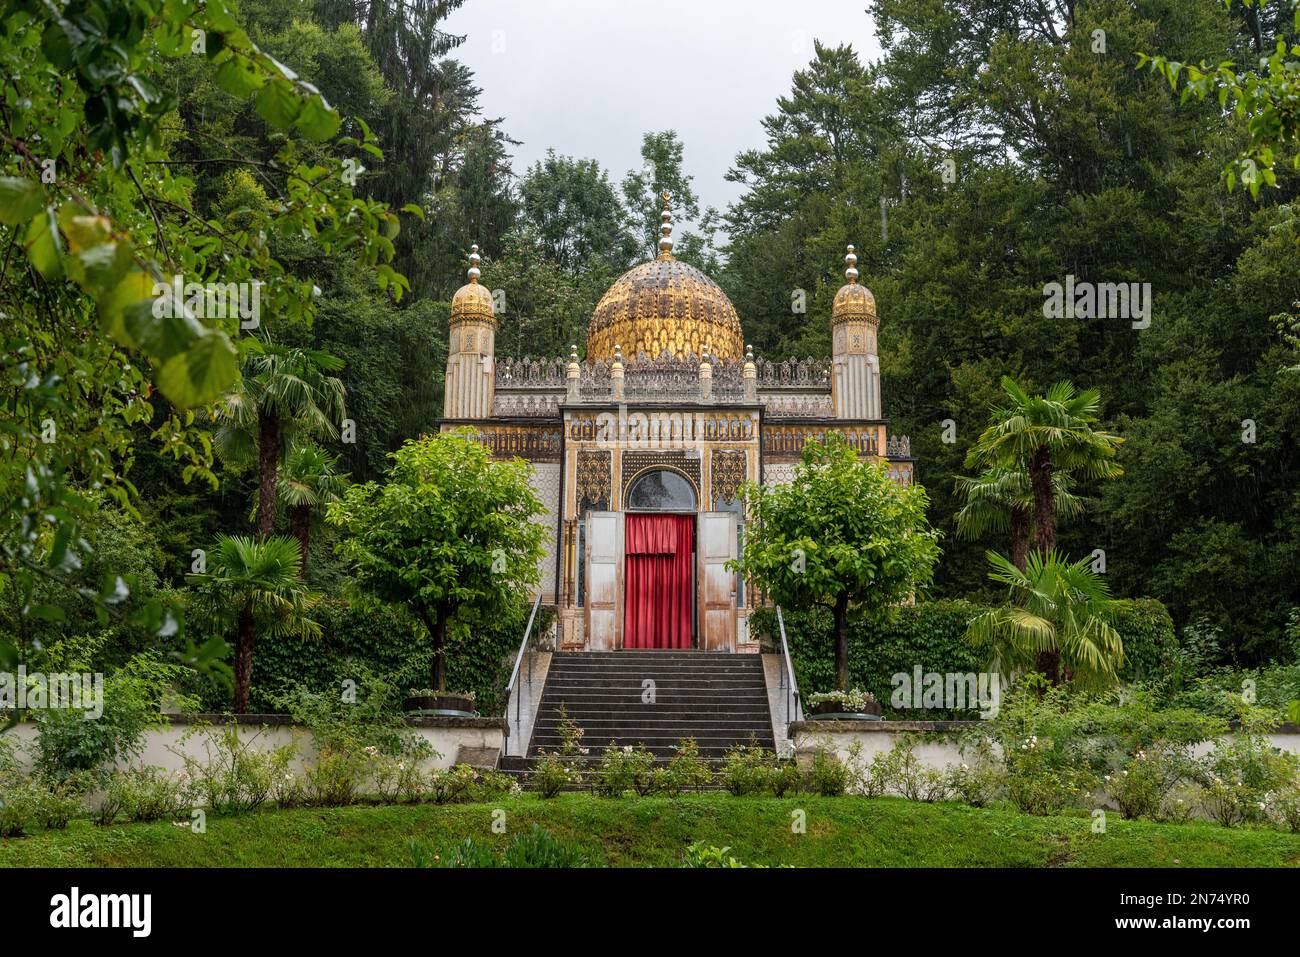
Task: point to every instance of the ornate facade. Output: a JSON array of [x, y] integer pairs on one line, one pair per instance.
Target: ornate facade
[[667, 414]]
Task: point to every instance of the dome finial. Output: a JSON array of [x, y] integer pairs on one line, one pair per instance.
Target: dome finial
[[473, 263], [851, 262], [666, 229]]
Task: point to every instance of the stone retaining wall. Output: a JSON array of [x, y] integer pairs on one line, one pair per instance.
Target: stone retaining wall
[[456, 740]]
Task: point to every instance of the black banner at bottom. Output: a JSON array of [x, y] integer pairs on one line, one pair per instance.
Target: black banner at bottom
[[339, 907]]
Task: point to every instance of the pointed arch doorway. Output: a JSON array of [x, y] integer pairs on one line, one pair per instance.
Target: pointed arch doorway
[[659, 561]]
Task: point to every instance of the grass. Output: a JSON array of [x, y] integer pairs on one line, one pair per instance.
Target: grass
[[654, 832]]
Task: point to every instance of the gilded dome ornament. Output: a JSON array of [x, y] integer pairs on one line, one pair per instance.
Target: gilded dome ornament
[[472, 300], [853, 302], [665, 305]]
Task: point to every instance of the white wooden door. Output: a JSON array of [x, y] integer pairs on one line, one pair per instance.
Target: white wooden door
[[604, 580], [717, 591]]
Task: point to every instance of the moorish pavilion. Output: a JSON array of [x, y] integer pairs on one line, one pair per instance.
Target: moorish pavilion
[[639, 448]]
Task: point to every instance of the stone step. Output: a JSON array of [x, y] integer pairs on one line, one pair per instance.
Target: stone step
[[668, 664], [591, 717], [748, 698], [664, 744], [631, 724], [637, 680]]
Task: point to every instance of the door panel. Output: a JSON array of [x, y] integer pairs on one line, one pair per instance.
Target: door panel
[[717, 587], [604, 580]]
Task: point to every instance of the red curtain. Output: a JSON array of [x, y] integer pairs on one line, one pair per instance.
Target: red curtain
[[657, 581]]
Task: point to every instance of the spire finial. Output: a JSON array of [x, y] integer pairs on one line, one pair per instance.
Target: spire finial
[[851, 262], [666, 229], [473, 263]]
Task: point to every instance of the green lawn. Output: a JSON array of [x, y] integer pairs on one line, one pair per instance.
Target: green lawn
[[843, 832]]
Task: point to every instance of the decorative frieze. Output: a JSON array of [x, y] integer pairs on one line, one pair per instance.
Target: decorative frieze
[[728, 468], [593, 479], [787, 441], [536, 443]]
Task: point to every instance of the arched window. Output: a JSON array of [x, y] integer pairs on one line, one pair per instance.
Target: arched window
[[661, 491]]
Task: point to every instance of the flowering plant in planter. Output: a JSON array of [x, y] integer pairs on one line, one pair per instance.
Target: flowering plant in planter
[[855, 701], [431, 699]]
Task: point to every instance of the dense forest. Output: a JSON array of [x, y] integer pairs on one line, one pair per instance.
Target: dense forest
[[996, 147]]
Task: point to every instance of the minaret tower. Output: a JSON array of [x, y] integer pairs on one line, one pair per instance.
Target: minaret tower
[[470, 351], [855, 380]]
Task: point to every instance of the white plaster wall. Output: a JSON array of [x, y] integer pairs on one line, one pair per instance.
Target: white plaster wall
[[166, 747]]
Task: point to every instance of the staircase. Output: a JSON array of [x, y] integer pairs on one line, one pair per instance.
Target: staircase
[[653, 699]]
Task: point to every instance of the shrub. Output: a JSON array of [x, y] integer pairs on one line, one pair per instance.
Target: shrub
[[624, 769], [16, 814], [912, 779], [401, 777], [335, 777], [67, 743], [146, 794], [747, 769], [463, 784], [570, 735], [56, 803], [976, 782], [687, 771], [828, 776], [235, 777], [551, 774], [1282, 807], [1243, 770], [1150, 643], [361, 741], [1142, 786]]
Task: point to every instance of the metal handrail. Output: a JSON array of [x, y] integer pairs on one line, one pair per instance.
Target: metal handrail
[[514, 673], [793, 686]]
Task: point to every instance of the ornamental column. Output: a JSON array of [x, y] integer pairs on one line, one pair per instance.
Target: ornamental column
[[471, 349]]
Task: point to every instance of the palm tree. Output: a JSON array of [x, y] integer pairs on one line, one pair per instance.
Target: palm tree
[[284, 393], [1000, 500], [309, 480], [1043, 434], [1060, 613], [253, 586]]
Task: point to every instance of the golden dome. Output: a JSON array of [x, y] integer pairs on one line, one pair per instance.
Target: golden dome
[[472, 300], [853, 302], [665, 304]]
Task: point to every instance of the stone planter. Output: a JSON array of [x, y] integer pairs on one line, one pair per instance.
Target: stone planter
[[834, 711], [446, 703]]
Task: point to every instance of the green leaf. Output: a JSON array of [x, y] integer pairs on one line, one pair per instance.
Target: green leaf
[[278, 104], [414, 209], [47, 612], [20, 200], [238, 78], [44, 245], [317, 121], [200, 373], [134, 288], [162, 336]]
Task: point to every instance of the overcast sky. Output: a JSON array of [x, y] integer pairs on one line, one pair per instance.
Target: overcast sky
[[588, 77]]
